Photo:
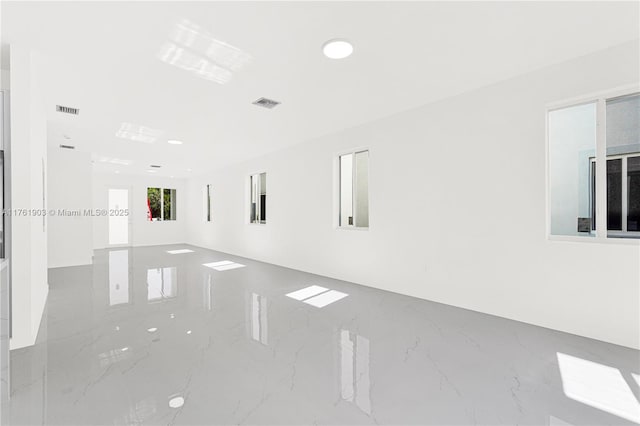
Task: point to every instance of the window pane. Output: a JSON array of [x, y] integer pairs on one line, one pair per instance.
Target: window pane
[[623, 125], [633, 190], [614, 195], [593, 195], [254, 199], [572, 142], [207, 203], [263, 198], [154, 202], [258, 200], [362, 189], [346, 190], [169, 204], [623, 137]]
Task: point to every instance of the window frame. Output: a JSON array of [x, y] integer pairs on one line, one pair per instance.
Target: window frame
[[338, 194], [162, 189], [258, 201], [600, 98], [207, 200], [624, 232]]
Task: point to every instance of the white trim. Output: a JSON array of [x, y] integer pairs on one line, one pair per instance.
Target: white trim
[[601, 171], [547, 181], [624, 196], [616, 92], [591, 239]]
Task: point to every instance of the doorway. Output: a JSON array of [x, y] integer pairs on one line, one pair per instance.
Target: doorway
[[119, 217]]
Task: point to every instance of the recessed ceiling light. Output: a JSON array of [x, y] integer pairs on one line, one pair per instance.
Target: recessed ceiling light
[[174, 142], [337, 49], [117, 171], [151, 171]]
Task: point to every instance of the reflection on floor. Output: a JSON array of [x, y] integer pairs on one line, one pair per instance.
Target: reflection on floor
[[143, 336]]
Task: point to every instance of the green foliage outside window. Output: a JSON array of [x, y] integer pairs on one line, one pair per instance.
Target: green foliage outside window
[[161, 204]]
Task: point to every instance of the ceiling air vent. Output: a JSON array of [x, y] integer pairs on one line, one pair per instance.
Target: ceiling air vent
[[67, 147], [67, 110], [266, 103], [155, 166]]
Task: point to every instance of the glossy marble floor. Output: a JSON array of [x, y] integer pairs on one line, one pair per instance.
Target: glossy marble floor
[[149, 337]]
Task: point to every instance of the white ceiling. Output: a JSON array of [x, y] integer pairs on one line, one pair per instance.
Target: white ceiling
[[102, 57]]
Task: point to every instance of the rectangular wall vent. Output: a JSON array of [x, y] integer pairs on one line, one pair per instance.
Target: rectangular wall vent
[[67, 147], [67, 110], [155, 166], [266, 103]]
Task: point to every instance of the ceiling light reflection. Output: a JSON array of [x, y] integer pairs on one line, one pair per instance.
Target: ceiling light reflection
[[188, 61], [193, 49], [176, 402], [198, 39], [112, 160], [113, 356], [138, 133]]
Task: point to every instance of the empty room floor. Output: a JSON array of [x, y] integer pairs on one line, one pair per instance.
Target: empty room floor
[[144, 336]]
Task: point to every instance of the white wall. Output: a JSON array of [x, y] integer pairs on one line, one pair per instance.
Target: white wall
[[28, 186], [457, 208], [4, 78], [70, 178], [143, 231]]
